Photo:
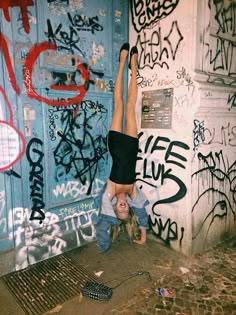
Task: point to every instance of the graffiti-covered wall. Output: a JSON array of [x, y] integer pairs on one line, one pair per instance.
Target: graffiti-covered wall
[[58, 60], [187, 118], [214, 132]]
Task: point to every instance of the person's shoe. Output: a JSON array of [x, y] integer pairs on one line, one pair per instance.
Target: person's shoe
[[133, 51], [125, 46]]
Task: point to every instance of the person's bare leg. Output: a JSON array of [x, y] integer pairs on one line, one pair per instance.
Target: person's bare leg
[[131, 124], [117, 119]]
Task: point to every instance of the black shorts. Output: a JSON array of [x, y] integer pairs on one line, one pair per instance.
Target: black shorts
[[124, 150]]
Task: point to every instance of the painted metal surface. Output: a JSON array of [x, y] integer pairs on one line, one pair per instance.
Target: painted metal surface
[[58, 60]]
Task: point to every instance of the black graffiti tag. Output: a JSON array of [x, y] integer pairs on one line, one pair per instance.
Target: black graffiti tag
[[198, 134], [158, 49], [224, 135], [167, 231], [67, 41], [216, 179], [232, 100], [67, 37], [35, 156], [158, 171], [84, 23], [225, 16], [79, 150], [147, 12]]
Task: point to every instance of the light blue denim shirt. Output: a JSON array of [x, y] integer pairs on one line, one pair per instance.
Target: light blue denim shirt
[[108, 217]]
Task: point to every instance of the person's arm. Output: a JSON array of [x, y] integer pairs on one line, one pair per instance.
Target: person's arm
[[106, 218], [138, 203]]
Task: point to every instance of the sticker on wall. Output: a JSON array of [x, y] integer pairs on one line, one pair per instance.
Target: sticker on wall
[[12, 141], [118, 15], [59, 7], [10, 145], [157, 107], [101, 85], [98, 52], [29, 115], [33, 19], [102, 12], [76, 5]]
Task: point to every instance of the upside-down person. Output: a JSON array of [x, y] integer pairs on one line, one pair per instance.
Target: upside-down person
[[122, 200]]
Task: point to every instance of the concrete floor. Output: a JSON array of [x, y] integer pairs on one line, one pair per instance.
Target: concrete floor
[[208, 286]]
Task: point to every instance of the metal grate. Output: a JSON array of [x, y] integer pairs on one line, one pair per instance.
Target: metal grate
[[46, 284]]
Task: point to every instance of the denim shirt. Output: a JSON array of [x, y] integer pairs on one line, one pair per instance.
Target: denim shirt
[[108, 217]]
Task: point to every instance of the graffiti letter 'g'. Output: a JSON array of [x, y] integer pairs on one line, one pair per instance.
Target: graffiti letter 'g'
[[28, 70]]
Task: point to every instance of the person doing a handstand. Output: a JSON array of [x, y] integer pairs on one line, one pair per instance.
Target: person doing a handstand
[[122, 197]]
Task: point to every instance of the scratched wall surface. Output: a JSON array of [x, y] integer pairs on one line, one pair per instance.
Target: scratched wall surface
[[58, 59], [187, 154]]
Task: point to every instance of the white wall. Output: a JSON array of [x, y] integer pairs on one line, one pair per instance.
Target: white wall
[[175, 59]]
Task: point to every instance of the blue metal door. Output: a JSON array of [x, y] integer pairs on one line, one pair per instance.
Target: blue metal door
[[58, 59]]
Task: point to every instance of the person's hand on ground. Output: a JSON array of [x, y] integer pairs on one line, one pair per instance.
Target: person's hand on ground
[[142, 240]]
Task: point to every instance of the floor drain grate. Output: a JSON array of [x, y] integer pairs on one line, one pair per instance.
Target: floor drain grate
[[46, 284]]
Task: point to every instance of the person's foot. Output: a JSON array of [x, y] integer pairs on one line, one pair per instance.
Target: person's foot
[[124, 51], [133, 56]]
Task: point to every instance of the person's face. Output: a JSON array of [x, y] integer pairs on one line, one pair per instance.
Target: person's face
[[122, 209]]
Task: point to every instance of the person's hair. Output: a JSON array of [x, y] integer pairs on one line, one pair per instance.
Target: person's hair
[[130, 225]]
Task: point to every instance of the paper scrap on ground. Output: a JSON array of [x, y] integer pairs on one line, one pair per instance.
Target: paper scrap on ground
[[56, 309], [184, 270]]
